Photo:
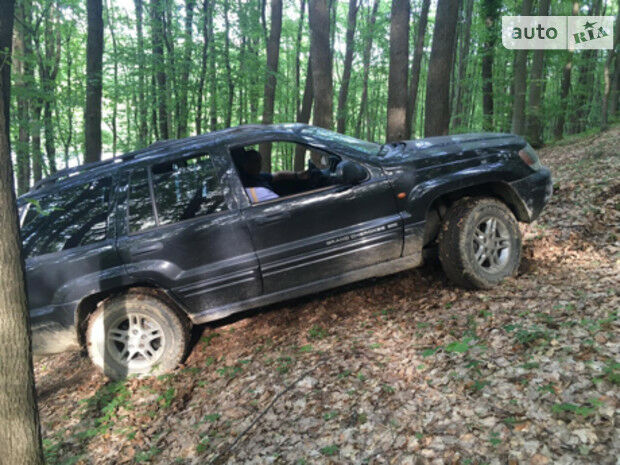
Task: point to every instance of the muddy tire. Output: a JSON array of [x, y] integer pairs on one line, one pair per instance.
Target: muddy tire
[[136, 334], [479, 243]]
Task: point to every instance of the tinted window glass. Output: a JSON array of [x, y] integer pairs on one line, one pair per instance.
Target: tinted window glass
[[186, 188], [69, 218], [140, 207]]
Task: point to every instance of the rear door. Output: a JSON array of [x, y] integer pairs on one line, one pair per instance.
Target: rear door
[[326, 233], [184, 233]]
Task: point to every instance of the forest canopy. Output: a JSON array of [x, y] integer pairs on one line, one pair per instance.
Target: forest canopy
[[174, 68]]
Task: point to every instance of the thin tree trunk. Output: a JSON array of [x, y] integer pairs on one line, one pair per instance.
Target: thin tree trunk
[[157, 32], [20, 433], [609, 77], [534, 120], [206, 9], [182, 130], [414, 79], [520, 81], [35, 131], [321, 64], [303, 116], [273, 55], [366, 67], [341, 120], [491, 15], [143, 130], [212, 78], [300, 30], [20, 64], [229, 80], [110, 19], [397, 79], [437, 117], [94, 57]]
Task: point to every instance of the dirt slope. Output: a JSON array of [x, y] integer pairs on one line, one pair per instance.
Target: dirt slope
[[404, 369]]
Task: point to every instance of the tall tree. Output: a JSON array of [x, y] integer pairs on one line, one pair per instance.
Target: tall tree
[[437, 117], [320, 55], [610, 75], [94, 58], [343, 94], [558, 129], [115, 94], [22, 70], [399, 64], [142, 106], [490, 11], [303, 116], [157, 37], [206, 34], [534, 117], [520, 81], [414, 78], [20, 433], [460, 87], [366, 68], [182, 130], [273, 55]]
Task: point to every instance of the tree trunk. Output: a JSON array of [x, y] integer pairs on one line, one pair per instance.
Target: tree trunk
[[348, 61], [414, 79], [206, 10], [94, 57], [20, 433], [437, 114], [558, 130], [610, 76], [303, 116], [229, 80], [520, 81], [212, 77], [21, 72], [143, 130], [182, 130], [321, 64], [366, 67], [273, 55], [534, 120], [300, 30], [490, 9], [397, 79], [35, 130], [115, 99], [157, 32]]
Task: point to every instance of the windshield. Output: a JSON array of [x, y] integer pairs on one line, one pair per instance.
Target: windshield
[[369, 148]]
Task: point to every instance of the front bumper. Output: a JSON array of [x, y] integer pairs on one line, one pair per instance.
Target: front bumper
[[535, 191]]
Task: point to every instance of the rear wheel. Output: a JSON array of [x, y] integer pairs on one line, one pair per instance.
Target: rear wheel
[[136, 334], [479, 243]]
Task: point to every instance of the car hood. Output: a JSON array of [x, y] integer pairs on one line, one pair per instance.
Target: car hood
[[445, 149]]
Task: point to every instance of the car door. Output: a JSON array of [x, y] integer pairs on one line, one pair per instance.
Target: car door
[[327, 233], [183, 232]]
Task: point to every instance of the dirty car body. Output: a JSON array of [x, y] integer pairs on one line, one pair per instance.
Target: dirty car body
[[96, 230]]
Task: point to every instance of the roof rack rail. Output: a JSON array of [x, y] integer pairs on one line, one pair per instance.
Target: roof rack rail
[[61, 174]]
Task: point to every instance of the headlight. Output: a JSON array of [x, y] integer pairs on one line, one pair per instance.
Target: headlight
[[530, 157]]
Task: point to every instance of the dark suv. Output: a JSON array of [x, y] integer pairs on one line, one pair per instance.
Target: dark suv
[[123, 256]]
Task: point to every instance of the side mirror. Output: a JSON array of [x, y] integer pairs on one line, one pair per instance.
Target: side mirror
[[350, 173]]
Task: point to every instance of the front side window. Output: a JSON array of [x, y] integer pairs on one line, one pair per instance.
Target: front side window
[[68, 218]]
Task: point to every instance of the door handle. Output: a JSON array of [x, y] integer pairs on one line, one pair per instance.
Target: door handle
[[266, 219], [143, 249]]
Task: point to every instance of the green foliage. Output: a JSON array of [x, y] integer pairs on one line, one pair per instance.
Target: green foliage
[[329, 451]]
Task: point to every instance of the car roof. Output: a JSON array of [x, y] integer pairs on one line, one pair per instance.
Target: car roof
[[158, 150]]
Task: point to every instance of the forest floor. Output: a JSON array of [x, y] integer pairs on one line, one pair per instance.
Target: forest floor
[[403, 369]]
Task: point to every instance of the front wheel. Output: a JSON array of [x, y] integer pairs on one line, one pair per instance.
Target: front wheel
[[136, 334], [479, 243]]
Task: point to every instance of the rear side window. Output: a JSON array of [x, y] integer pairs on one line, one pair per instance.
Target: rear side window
[[69, 218], [184, 189]]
